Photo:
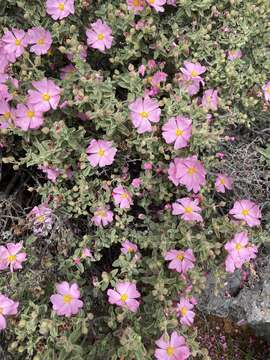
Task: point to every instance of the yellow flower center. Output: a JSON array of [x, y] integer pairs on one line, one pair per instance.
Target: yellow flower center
[[101, 152], [124, 196], [209, 98], [179, 132], [6, 115], [1, 311], [194, 73], [124, 298], [222, 181], [268, 90], [188, 210], [40, 218], [61, 6], [170, 351], [67, 299], [46, 97], [101, 36], [136, 2], [17, 42], [180, 257], [41, 41], [30, 114], [130, 249], [238, 247], [11, 258], [184, 311], [192, 170], [245, 212], [101, 213], [144, 114]]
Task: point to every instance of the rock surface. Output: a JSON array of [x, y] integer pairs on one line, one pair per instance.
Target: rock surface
[[245, 302]]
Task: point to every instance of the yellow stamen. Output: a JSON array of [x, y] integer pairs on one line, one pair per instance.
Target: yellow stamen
[[222, 181], [184, 311], [61, 6], [6, 115], [101, 213], [245, 212], [268, 90], [1, 311], [40, 218], [180, 257], [144, 114], [46, 97], [101, 152], [67, 299], [124, 196], [188, 210], [101, 36], [136, 2], [192, 170], [170, 351], [194, 73], [124, 298], [209, 98], [179, 132], [238, 247], [41, 41], [17, 42], [11, 258], [30, 114], [130, 250]]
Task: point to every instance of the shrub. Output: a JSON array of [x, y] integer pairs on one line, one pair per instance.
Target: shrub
[[97, 131]]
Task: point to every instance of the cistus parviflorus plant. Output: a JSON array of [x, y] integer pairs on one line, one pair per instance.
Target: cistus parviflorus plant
[[119, 111]]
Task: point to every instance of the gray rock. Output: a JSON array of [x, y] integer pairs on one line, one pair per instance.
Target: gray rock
[[247, 303]]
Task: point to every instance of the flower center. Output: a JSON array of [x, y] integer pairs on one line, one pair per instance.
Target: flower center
[[67, 299], [101, 36], [180, 257], [179, 132], [188, 210], [124, 298], [46, 97], [170, 351], [41, 41], [101, 213], [101, 152], [40, 218], [6, 115], [268, 90], [209, 98], [238, 247], [136, 2], [11, 258], [17, 42], [61, 6], [194, 73], [184, 311], [130, 250], [30, 114], [1, 311], [124, 196], [222, 181], [245, 212], [144, 114], [192, 170]]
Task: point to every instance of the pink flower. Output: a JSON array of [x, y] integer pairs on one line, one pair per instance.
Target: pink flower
[[125, 295], [59, 9], [171, 2], [148, 166], [141, 70], [223, 182], [151, 64], [177, 130], [158, 77], [143, 112], [135, 5], [128, 247], [239, 251], [188, 209], [27, 118], [136, 183], [15, 42], [102, 216], [184, 308], [101, 153], [210, 100], [67, 300], [266, 89], [220, 155], [189, 172], [173, 348], [41, 40], [68, 69], [193, 71], [234, 54], [41, 217], [248, 211], [7, 114], [46, 95], [10, 256], [86, 253], [7, 307], [99, 36], [157, 4], [192, 86], [52, 173], [122, 197], [181, 261]]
